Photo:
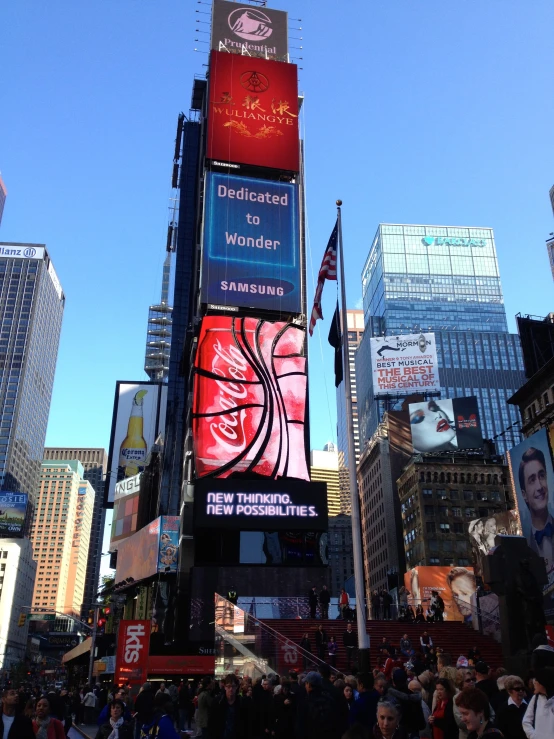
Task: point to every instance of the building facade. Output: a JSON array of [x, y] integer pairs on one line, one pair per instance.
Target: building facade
[[444, 280], [355, 326], [17, 580], [3, 195], [439, 497], [31, 311], [341, 560], [324, 467], [95, 466], [61, 536]]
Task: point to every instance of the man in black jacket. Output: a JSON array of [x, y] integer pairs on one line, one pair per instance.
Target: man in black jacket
[[312, 598], [350, 642], [229, 715], [14, 725], [484, 682], [324, 600]]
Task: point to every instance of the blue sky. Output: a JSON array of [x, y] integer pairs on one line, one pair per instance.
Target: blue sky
[[415, 112]]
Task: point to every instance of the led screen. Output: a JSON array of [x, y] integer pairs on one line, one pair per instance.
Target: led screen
[[445, 425]]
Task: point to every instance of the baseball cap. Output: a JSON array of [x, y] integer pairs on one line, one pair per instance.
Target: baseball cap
[[482, 668]]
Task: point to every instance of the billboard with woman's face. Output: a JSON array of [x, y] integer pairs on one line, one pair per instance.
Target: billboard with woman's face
[[445, 425], [482, 532], [455, 585]]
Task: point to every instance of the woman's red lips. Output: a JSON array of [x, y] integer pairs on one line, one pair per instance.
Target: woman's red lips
[[443, 425]]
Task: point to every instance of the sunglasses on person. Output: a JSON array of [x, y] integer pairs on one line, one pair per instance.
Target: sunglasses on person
[[469, 680], [519, 689]]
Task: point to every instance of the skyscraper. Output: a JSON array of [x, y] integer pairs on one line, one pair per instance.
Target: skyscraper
[[355, 326], [95, 465], [31, 311], [3, 194], [17, 579], [61, 536], [445, 280], [324, 467]]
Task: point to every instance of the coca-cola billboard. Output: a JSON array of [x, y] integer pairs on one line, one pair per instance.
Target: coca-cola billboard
[[249, 403], [132, 651]]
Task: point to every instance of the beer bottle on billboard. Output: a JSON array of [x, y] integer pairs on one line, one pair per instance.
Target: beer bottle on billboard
[[132, 453]]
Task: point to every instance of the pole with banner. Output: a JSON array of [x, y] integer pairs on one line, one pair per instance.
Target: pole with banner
[[363, 637], [133, 645]]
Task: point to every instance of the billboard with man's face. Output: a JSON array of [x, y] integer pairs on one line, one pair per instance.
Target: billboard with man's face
[[455, 585], [533, 476], [445, 425]]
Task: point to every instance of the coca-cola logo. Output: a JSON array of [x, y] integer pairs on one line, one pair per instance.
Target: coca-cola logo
[[228, 431]]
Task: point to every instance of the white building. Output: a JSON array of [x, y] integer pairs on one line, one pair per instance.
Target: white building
[[17, 581]]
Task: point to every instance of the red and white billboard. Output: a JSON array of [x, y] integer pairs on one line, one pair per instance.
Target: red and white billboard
[[249, 405], [133, 644], [253, 112]]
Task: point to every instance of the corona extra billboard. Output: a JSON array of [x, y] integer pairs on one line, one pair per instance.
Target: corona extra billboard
[[253, 112], [249, 400], [251, 255]]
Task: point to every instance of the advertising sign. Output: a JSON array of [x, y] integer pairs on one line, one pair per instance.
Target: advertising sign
[[402, 365], [132, 652], [169, 544], [251, 255], [242, 27], [150, 550], [533, 476], [21, 251], [137, 421], [269, 505], [482, 532], [249, 399], [445, 425], [13, 507], [455, 585], [253, 112]]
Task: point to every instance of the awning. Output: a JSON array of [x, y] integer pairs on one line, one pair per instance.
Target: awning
[[77, 651]]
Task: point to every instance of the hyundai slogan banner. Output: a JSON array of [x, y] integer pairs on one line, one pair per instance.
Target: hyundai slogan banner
[[242, 27], [253, 112], [445, 425], [402, 365], [249, 399], [251, 255]]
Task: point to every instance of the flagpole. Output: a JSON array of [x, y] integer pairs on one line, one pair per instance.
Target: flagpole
[[363, 638]]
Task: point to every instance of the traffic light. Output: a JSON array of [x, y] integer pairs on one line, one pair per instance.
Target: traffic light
[[90, 617], [22, 619], [101, 623]]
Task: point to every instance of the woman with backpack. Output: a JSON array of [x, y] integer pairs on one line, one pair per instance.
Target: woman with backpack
[[161, 726], [89, 706], [538, 722]]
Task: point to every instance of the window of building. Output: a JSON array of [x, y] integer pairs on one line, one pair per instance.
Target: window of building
[[468, 494], [483, 512], [441, 494], [457, 528], [434, 561], [463, 562], [445, 527], [470, 512], [454, 494], [456, 512], [429, 510], [427, 493], [431, 528]]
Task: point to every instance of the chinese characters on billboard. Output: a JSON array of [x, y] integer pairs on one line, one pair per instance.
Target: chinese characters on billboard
[[251, 255], [455, 585], [242, 27], [402, 365], [253, 112], [249, 400], [13, 508], [445, 425]]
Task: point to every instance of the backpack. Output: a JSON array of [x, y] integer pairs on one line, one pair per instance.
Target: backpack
[[151, 730]]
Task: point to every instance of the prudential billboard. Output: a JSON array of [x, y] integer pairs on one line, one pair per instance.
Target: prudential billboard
[[251, 256]]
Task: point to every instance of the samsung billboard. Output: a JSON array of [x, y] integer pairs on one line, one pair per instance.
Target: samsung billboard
[[251, 255]]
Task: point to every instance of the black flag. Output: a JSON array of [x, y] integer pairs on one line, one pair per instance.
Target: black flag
[[335, 339]]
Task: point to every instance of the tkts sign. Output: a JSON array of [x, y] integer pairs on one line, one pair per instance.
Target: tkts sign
[[249, 403], [132, 651], [253, 112]]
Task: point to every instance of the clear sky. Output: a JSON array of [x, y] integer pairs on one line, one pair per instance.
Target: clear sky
[[417, 111]]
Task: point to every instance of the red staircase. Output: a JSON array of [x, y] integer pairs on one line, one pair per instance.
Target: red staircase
[[453, 637]]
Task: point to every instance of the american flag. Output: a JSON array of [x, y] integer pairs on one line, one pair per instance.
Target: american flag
[[327, 271]]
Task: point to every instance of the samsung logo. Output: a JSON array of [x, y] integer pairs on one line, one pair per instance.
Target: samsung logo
[[272, 287]]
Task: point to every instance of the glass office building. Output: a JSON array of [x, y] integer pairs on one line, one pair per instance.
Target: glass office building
[[445, 280], [31, 311]]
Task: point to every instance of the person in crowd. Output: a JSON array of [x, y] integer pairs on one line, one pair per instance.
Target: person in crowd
[[284, 712], [14, 725], [57, 707], [205, 703], [263, 709], [543, 653], [443, 660], [350, 643], [161, 724], [306, 645], [474, 710], [144, 707], [332, 648], [344, 604], [500, 698], [406, 646], [538, 722], [45, 725], [385, 646], [414, 686], [509, 717], [89, 705], [321, 641], [184, 703], [483, 682], [388, 665], [426, 642], [420, 615], [364, 709], [375, 606], [388, 722], [462, 662], [346, 703], [116, 727], [233, 596], [30, 708], [427, 681], [418, 663], [387, 603], [442, 719], [120, 695], [474, 654], [318, 714], [436, 607], [408, 703], [324, 600], [312, 601]]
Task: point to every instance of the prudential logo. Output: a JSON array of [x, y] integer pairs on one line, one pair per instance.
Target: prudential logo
[[450, 241], [250, 24]]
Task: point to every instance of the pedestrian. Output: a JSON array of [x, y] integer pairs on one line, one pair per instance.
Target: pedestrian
[[474, 711], [387, 602], [375, 606], [350, 643], [324, 600], [364, 710], [442, 719], [332, 648], [426, 642], [312, 600], [204, 705], [388, 722], [344, 604], [538, 722], [346, 704], [14, 725], [510, 716], [89, 704], [229, 718], [409, 704], [232, 596], [321, 641], [284, 712], [119, 695], [318, 712], [307, 647], [45, 725], [116, 727], [484, 682], [144, 707], [406, 646], [263, 709], [184, 705]]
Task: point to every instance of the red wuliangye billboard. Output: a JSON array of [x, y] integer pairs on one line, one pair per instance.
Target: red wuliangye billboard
[[133, 644], [253, 112]]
